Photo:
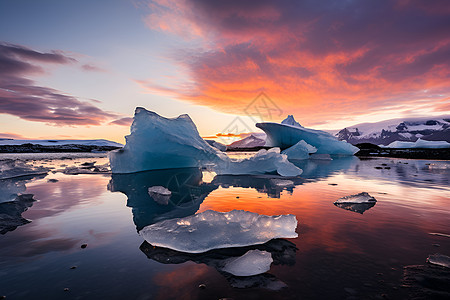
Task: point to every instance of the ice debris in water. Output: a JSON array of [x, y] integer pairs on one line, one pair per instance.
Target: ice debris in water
[[289, 132], [212, 230], [299, 151], [264, 161], [253, 262], [358, 198], [156, 143], [160, 194], [11, 168], [439, 259]]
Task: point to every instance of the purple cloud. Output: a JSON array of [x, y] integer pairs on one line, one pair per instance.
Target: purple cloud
[[20, 96], [123, 121]]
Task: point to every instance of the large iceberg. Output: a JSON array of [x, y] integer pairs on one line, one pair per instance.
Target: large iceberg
[[264, 161], [212, 230], [157, 143], [289, 133]]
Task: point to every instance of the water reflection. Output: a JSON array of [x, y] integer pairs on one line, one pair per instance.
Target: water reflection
[[282, 251], [317, 169], [186, 185]]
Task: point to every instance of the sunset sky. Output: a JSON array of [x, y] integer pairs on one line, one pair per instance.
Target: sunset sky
[[77, 69]]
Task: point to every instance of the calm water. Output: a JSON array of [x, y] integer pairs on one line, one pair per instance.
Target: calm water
[[341, 252]]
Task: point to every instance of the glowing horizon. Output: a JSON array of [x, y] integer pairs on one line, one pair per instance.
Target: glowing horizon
[[331, 64]]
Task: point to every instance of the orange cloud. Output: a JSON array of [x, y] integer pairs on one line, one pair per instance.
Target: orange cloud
[[319, 61]]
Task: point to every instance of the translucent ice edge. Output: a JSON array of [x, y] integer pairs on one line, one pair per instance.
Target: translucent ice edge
[[213, 230]]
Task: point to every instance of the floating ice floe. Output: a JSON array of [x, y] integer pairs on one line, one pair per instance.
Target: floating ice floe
[[419, 144], [253, 262], [358, 198], [289, 132], [160, 194], [439, 259], [299, 151], [264, 161], [10, 168], [212, 230]]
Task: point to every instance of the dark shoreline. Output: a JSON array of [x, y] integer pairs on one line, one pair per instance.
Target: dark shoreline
[[33, 148], [411, 153]]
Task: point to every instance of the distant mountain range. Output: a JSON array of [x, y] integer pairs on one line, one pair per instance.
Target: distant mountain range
[[408, 129]]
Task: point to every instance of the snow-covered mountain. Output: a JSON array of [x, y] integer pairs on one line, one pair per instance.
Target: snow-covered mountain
[[250, 141], [410, 130]]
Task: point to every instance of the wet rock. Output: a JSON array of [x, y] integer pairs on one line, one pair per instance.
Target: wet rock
[[66, 289], [202, 286], [436, 245], [52, 180], [73, 267], [83, 246]]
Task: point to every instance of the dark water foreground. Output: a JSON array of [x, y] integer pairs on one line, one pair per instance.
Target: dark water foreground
[[342, 252]]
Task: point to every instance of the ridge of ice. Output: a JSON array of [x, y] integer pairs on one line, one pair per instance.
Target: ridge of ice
[[358, 198], [212, 230]]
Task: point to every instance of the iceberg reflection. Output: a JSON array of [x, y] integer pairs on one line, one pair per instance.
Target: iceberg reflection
[[185, 184], [282, 251]]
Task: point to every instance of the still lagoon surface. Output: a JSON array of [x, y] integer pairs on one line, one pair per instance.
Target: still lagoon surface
[[348, 252]]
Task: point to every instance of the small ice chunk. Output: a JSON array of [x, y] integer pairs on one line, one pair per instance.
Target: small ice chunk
[[264, 161], [439, 259], [160, 194], [281, 182], [358, 198], [212, 230], [253, 262], [299, 151]]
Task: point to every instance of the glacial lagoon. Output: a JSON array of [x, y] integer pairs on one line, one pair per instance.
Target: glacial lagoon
[[355, 251]]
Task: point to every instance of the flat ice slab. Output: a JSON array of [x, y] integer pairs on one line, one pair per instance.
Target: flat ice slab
[[358, 198], [213, 230], [253, 262]]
